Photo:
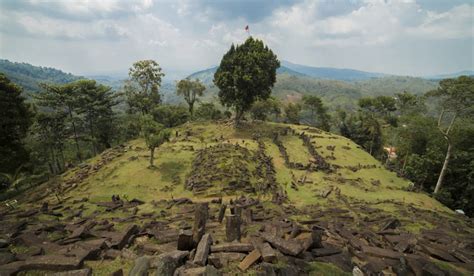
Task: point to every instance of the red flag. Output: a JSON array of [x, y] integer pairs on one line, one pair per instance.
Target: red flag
[[247, 28]]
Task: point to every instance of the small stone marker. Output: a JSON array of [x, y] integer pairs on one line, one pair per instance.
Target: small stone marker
[[185, 240], [232, 228], [200, 217], [222, 209]]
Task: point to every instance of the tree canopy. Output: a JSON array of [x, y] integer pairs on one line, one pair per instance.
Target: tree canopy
[[16, 118], [190, 90], [142, 89], [246, 73]]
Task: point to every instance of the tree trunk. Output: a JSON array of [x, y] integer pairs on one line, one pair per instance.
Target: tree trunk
[[91, 130], [152, 157], [439, 183], [238, 116], [191, 107], [444, 169], [75, 136]]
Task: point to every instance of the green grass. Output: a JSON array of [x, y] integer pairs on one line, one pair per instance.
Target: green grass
[[131, 178], [326, 269]]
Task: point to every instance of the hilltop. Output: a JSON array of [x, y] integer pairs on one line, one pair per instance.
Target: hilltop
[[29, 76], [288, 180]]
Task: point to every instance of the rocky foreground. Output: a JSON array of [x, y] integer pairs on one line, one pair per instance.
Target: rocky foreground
[[242, 235], [315, 204]]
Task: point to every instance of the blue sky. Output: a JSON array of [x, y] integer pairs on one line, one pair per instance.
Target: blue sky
[[404, 37]]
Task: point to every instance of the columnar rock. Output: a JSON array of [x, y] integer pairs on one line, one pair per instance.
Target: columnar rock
[[203, 249], [247, 216], [232, 228], [236, 210], [221, 212], [200, 217], [185, 240]]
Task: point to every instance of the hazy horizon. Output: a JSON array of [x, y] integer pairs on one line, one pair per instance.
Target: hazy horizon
[[416, 38]]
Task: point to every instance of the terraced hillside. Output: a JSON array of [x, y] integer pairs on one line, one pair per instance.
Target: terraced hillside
[[307, 202]]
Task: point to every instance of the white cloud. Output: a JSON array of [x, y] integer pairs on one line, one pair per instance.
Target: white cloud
[[183, 34]]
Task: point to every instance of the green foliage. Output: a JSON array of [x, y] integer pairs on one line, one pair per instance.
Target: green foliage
[[29, 77], [15, 120], [455, 95], [292, 113], [208, 111], [408, 103], [142, 90], [365, 130], [319, 115], [456, 100], [262, 109], [170, 115], [95, 102], [15, 179], [154, 134], [246, 73], [390, 85], [383, 105], [190, 90], [81, 110], [50, 135]]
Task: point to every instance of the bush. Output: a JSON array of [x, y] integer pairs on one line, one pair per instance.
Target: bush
[[171, 115], [208, 111]]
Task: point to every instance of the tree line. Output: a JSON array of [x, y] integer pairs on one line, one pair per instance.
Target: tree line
[[64, 124]]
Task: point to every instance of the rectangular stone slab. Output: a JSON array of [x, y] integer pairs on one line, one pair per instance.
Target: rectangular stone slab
[[249, 260], [232, 247], [289, 247], [380, 252], [202, 250]]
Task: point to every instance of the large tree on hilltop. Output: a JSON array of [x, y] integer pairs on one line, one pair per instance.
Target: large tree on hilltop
[[142, 89], [456, 99], [15, 120], [246, 73]]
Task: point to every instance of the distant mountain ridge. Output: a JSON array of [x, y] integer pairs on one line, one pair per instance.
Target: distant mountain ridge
[[332, 73], [451, 75], [29, 76], [207, 75]]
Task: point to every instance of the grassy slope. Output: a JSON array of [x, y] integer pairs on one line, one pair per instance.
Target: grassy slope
[[129, 177], [173, 161]]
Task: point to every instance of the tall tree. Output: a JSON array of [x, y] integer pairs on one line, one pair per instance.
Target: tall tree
[[61, 98], [318, 111], [49, 130], [190, 90], [95, 103], [456, 99], [155, 134], [292, 112], [142, 90], [246, 73], [15, 120]]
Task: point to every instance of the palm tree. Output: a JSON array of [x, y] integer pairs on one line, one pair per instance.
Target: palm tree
[[14, 179]]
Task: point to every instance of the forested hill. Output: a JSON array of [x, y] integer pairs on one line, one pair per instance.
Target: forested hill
[[29, 76]]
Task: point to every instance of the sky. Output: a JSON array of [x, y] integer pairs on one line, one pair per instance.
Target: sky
[[87, 37]]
